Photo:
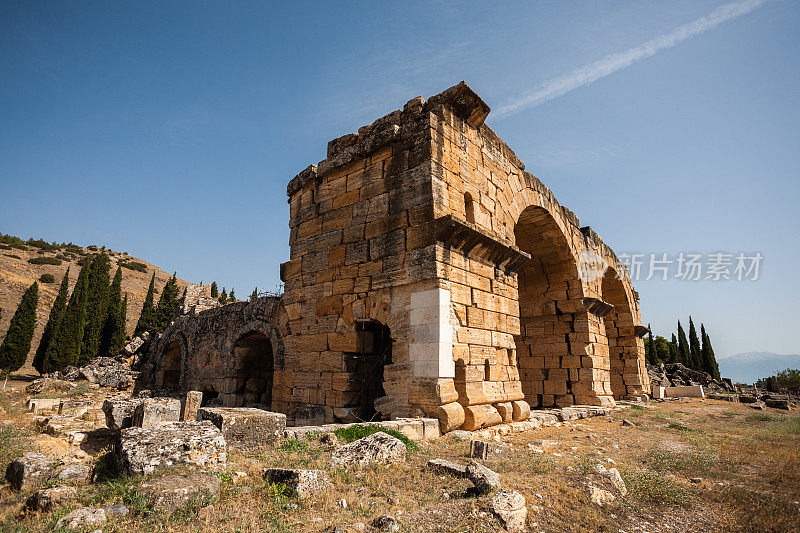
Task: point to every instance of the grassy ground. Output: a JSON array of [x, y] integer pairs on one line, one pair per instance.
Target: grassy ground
[[689, 466]]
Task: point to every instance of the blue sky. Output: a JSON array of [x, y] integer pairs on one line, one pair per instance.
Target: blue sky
[[171, 129]]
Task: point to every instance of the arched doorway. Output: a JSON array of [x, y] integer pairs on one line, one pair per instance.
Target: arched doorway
[[171, 366], [619, 332], [365, 367], [550, 306], [253, 357]]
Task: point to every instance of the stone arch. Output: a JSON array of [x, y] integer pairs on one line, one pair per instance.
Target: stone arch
[[172, 363], [619, 331], [553, 321], [253, 356]]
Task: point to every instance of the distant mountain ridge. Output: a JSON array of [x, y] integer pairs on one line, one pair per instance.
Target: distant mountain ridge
[[749, 367]]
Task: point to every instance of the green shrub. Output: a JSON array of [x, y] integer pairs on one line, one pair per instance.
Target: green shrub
[[15, 256], [5, 246], [42, 245], [75, 249], [359, 431], [44, 261], [63, 257], [47, 278], [133, 265], [92, 247]]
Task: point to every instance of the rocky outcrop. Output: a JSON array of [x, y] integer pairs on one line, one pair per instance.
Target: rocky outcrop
[[141, 451], [304, 483], [676, 375], [47, 499], [172, 491], [82, 518], [379, 447]]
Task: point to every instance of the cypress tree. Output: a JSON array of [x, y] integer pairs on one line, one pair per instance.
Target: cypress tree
[[223, 298], [15, 347], [147, 318], [111, 322], [694, 348], [254, 295], [707, 351], [56, 313], [232, 296], [214, 290], [683, 347], [673, 350], [65, 348], [168, 304], [96, 307], [651, 348], [118, 340]]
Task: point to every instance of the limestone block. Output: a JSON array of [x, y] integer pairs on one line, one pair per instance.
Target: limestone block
[[28, 471], [245, 427], [193, 400], [376, 448], [450, 415], [692, 391], [479, 416], [154, 412], [140, 451], [521, 410], [172, 491], [487, 451], [506, 411]]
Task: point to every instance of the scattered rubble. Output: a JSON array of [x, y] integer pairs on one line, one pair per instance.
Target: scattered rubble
[[82, 518], [47, 499]]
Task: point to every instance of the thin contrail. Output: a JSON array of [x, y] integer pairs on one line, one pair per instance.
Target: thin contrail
[[614, 62]]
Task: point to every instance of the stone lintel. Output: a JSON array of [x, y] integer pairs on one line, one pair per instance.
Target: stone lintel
[[597, 307], [471, 239]]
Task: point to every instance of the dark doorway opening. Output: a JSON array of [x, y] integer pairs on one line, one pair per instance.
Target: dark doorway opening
[[254, 369], [366, 366], [171, 367]]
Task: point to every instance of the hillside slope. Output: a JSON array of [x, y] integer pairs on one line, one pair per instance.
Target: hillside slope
[[16, 275]]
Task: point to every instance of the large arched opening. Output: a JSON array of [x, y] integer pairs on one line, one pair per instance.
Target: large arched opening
[[550, 304], [171, 366], [253, 357], [619, 332]]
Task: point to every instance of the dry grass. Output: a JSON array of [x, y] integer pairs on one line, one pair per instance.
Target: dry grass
[[749, 464]]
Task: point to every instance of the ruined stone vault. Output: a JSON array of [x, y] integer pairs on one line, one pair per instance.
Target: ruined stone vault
[[429, 274]]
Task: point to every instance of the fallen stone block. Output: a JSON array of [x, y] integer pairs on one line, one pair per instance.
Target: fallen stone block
[[747, 398], [51, 385], [155, 412], [29, 471], [778, 404], [119, 413], [245, 427], [758, 405], [487, 451], [723, 397], [47, 499], [74, 408], [36, 405], [376, 448], [484, 479], [78, 472], [443, 466], [82, 518], [304, 483], [385, 524], [685, 391], [173, 491], [521, 410], [509, 507], [144, 451]]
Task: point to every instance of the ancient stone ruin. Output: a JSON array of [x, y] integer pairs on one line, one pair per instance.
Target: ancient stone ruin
[[429, 274]]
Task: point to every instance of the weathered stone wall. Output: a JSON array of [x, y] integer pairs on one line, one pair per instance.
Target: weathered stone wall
[[233, 353], [423, 227]]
